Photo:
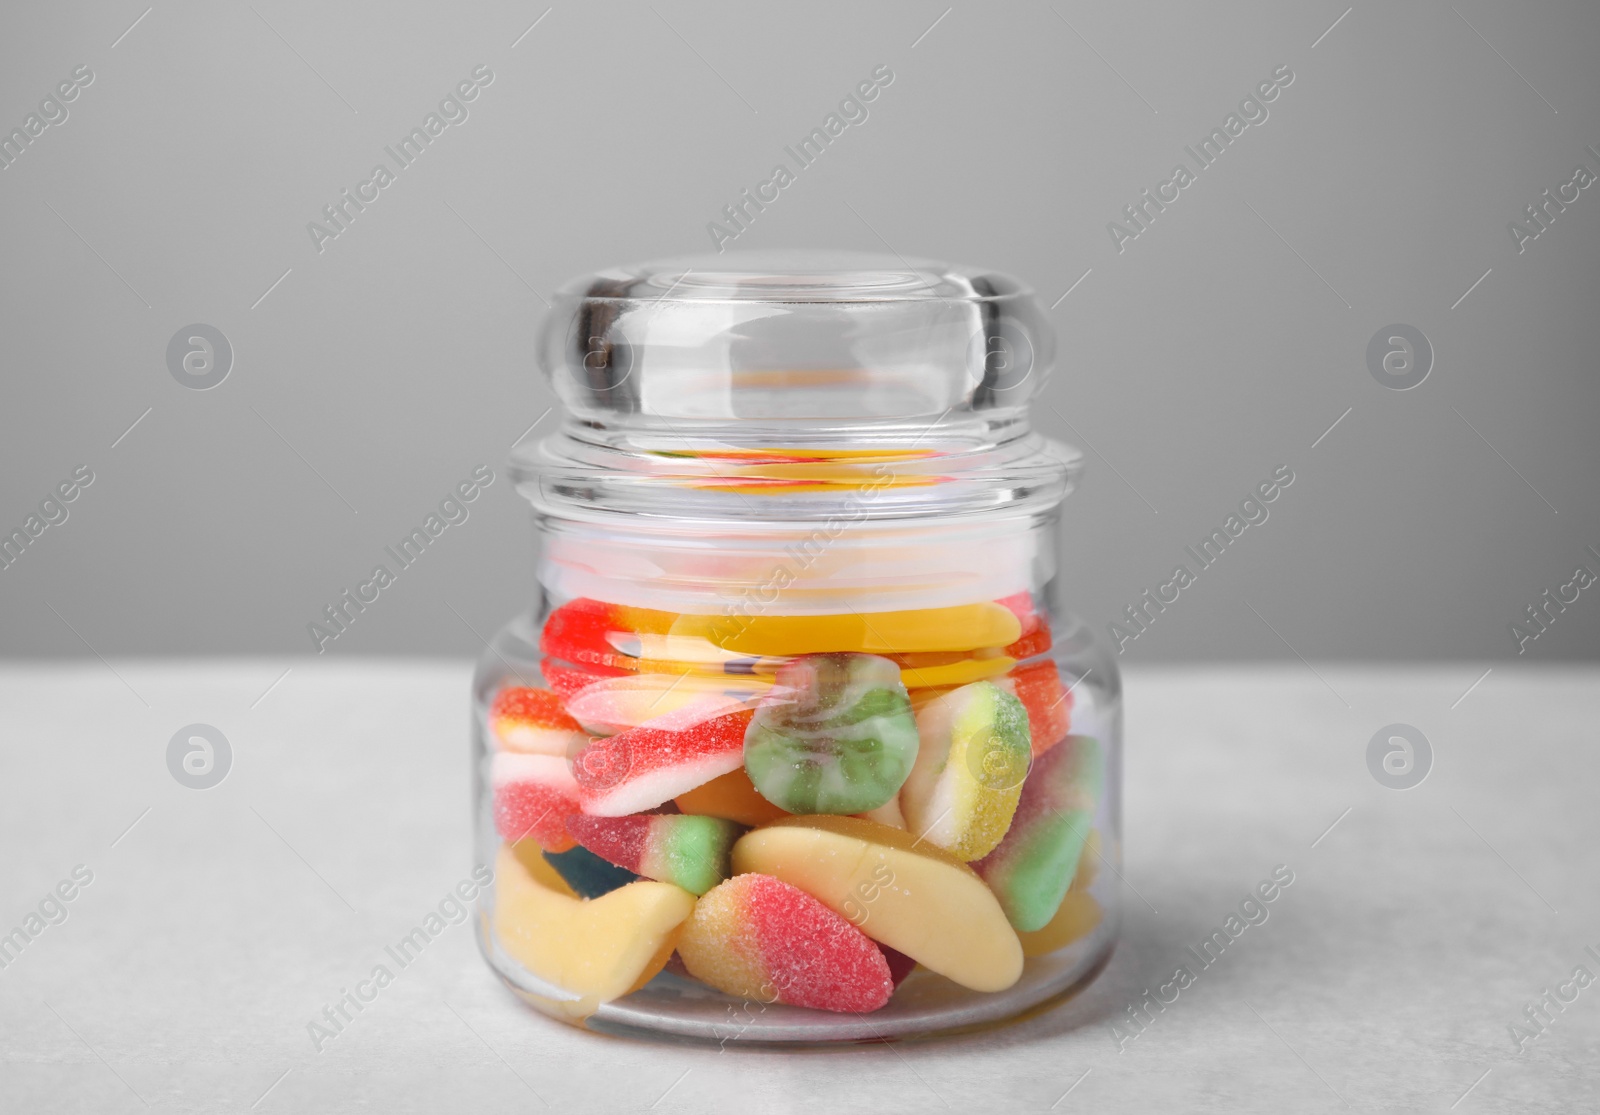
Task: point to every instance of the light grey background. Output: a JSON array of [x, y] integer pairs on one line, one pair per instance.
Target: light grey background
[[1221, 344]]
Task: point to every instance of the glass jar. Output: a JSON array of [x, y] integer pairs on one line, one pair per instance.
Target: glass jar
[[799, 743]]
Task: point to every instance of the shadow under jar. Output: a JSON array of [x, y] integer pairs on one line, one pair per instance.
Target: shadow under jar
[[799, 744]]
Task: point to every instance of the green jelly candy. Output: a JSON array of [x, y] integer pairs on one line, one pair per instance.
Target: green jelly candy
[[835, 735]]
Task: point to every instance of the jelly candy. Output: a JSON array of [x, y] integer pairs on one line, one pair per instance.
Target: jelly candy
[[900, 892], [1048, 702], [532, 720], [598, 949], [765, 940], [570, 680], [945, 670], [964, 627], [539, 868], [730, 796], [643, 767], [1076, 917], [1079, 913], [1088, 863], [593, 635], [969, 771], [585, 632], [690, 852], [1031, 869], [1035, 638], [606, 706], [835, 735], [533, 797], [587, 874]]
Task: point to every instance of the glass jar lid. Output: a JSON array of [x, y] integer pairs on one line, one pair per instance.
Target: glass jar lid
[[794, 337], [696, 386]]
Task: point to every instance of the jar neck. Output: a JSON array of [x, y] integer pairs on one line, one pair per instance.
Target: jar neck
[[800, 471]]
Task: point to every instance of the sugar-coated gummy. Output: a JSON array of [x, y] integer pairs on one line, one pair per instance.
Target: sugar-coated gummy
[[533, 797], [897, 889], [606, 706], [1047, 701], [834, 735], [586, 632], [759, 938], [643, 767], [970, 767], [522, 718], [570, 680], [688, 851], [1034, 865]]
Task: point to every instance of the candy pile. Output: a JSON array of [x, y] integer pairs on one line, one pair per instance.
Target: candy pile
[[802, 808]]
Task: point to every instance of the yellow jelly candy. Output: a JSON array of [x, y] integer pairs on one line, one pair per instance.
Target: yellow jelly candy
[[960, 672], [964, 627], [1088, 863], [531, 856], [1076, 917], [971, 761], [901, 892], [600, 949]]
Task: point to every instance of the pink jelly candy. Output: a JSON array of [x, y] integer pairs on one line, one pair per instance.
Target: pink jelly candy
[[645, 766], [760, 938], [685, 850], [533, 720], [533, 797]]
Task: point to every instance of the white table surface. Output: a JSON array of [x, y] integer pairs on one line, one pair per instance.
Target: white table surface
[[219, 925]]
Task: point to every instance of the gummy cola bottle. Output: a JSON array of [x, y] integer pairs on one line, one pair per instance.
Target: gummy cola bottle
[[799, 742]]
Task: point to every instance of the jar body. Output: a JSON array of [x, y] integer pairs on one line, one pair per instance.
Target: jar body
[[665, 674]]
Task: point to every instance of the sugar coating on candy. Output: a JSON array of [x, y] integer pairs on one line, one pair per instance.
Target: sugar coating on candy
[[587, 632], [587, 874], [569, 681], [762, 939], [533, 797], [969, 772], [606, 706], [598, 949], [1035, 638], [533, 720], [731, 796], [687, 851], [1034, 865], [900, 891], [835, 735], [643, 767], [1049, 703]]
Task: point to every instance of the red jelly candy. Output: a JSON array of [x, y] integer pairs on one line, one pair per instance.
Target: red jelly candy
[[645, 766], [533, 720], [1049, 703], [760, 938], [533, 797], [1035, 638]]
